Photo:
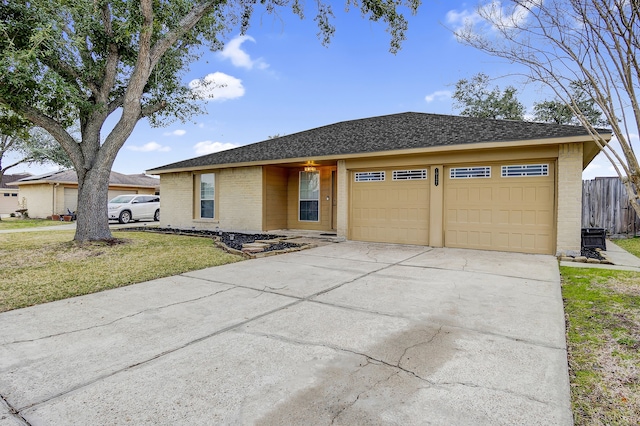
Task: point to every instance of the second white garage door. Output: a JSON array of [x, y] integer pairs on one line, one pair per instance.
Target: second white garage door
[[506, 207]]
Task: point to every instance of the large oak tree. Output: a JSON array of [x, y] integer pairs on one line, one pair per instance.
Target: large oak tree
[[82, 61]]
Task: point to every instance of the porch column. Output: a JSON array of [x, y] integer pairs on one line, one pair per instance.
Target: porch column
[[342, 220]]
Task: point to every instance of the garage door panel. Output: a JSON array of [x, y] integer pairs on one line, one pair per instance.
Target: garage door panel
[[496, 213], [397, 210]]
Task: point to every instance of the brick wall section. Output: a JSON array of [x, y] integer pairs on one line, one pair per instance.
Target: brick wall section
[[239, 194], [343, 200], [569, 199], [176, 200]]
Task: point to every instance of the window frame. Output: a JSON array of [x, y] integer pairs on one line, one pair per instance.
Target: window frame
[[301, 200], [199, 192]]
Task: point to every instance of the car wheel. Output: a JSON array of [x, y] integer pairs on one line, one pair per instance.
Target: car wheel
[[156, 216], [125, 217]]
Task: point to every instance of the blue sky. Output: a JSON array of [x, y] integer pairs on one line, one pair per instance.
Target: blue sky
[[279, 79]]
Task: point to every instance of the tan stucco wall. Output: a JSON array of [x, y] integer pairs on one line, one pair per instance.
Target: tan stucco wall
[[176, 200], [275, 197], [569, 199], [239, 198], [39, 199]]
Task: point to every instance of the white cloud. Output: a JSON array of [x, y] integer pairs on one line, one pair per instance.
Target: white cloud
[[494, 13], [439, 95], [209, 147], [178, 132], [149, 147], [217, 86], [239, 58]]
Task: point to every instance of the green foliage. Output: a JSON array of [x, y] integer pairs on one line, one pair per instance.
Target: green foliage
[[476, 99], [558, 112], [78, 62]]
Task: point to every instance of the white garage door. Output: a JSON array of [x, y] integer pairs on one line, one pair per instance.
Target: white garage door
[[390, 206]]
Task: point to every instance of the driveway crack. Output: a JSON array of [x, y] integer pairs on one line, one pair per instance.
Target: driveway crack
[[15, 414], [78, 330], [369, 358]]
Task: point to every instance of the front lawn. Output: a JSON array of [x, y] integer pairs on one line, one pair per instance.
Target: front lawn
[[602, 308], [19, 223], [39, 267]]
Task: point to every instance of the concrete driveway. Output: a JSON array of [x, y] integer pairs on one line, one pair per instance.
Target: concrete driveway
[[349, 333]]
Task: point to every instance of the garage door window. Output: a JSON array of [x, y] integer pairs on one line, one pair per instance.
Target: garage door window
[[309, 196], [525, 170], [470, 172], [420, 174], [369, 176]]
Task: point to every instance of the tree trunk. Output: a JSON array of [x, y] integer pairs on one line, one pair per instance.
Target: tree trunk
[[93, 192]]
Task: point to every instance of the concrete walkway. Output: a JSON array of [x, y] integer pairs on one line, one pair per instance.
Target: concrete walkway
[[349, 333], [622, 260]]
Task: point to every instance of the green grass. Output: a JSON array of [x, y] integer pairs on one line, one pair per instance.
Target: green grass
[[603, 337], [18, 223], [632, 245], [38, 267]]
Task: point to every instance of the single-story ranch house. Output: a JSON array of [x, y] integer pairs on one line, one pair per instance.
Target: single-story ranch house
[[57, 192], [409, 178], [9, 197]]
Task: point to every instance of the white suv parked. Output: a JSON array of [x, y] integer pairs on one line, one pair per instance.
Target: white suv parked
[[125, 208]]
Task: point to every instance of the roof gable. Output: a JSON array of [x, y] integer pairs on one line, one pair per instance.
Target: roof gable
[[408, 130]]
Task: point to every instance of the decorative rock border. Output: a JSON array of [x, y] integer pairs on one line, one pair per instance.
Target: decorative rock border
[[583, 259], [256, 249]]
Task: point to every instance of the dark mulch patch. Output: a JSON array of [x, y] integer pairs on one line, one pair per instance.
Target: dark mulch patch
[[233, 240], [591, 254]]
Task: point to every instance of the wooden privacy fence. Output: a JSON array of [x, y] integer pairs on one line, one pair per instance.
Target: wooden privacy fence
[[605, 205]]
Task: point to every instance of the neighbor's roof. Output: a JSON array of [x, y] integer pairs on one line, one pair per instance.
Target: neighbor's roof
[[12, 178], [409, 130], [70, 177]]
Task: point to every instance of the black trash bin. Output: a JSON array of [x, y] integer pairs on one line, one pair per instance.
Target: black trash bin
[[593, 238]]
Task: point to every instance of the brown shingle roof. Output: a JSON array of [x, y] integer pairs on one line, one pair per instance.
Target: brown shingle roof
[[70, 176], [12, 178], [408, 130]]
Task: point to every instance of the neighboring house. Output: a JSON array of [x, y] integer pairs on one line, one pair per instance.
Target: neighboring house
[[409, 178], [57, 192], [9, 194]]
